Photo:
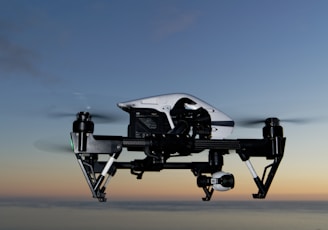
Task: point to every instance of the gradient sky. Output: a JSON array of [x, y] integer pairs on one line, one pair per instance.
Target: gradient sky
[[246, 58]]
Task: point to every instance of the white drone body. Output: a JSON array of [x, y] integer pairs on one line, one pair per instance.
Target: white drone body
[[221, 124], [175, 125]]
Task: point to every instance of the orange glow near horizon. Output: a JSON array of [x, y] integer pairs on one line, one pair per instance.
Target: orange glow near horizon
[[55, 177], [167, 185]]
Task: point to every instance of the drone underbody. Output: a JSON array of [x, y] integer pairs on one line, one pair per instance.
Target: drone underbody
[[169, 126]]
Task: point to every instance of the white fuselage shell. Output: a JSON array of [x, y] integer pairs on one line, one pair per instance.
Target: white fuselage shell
[[222, 125]]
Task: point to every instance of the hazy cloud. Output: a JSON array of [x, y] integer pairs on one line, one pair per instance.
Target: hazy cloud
[[16, 58], [174, 22]]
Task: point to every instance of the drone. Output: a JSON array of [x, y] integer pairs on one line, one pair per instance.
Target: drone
[[174, 125]]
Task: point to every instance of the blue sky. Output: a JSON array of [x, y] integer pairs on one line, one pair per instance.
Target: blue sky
[[247, 58]]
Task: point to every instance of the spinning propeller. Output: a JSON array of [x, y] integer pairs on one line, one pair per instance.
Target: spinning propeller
[[254, 122], [98, 117], [100, 107], [53, 145], [74, 102]]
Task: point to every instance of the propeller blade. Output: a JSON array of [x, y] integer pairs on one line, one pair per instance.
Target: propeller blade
[[97, 117], [298, 120], [55, 115], [107, 117], [69, 104], [249, 122], [257, 121], [52, 146]]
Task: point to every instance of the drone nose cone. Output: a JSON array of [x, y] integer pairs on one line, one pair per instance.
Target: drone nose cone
[[124, 106], [121, 105]]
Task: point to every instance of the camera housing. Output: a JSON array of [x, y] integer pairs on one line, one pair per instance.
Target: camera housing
[[220, 181]]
